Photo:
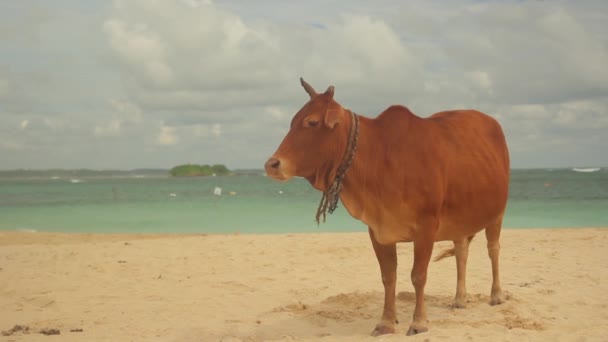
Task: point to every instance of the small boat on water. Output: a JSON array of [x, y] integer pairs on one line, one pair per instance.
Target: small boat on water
[[586, 169], [74, 180]]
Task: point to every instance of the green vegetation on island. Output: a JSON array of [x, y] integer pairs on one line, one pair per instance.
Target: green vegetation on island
[[191, 170]]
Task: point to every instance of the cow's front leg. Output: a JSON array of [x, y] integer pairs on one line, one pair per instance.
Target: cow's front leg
[[423, 248], [387, 258]]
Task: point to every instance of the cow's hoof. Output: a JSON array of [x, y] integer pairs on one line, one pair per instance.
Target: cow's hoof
[[383, 329], [497, 299], [459, 304], [416, 330]]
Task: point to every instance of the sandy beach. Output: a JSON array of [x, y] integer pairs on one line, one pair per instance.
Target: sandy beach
[[292, 287]]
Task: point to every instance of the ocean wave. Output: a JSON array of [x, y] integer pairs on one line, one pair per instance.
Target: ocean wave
[[26, 230], [586, 169]]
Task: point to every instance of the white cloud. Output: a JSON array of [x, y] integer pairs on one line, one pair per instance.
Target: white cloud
[[533, 53], [277, 113], [10, 145], [203, 131], [216, 129], [142, 49], [197, 3], [4, 86], [482, 80], [127, 110], [219, 61], [113, 128], [167, 136], [158, 75], [511, 60], [127, 115]]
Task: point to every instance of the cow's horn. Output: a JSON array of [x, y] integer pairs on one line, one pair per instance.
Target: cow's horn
[[309, 89]]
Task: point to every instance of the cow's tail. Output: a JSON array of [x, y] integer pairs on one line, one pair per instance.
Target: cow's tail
[[450, 252], [446, 254]]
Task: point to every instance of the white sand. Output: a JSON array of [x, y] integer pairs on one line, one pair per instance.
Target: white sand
[[297, 287]]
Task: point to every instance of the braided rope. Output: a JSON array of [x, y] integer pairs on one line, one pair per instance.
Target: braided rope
[[329, 200]]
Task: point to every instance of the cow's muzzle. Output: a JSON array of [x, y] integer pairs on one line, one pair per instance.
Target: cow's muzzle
[[274, 169]]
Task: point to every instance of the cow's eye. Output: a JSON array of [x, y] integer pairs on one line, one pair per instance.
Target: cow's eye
[[313, 123]]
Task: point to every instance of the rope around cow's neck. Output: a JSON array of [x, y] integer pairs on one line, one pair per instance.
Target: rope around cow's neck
[[329, 200]]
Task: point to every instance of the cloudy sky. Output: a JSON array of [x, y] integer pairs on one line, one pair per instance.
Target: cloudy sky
[[147, 83]]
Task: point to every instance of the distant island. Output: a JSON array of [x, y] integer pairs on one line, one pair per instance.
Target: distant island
[[63, 174], [193, 170]]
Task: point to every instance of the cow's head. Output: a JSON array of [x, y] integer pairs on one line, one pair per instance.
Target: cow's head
[[315, 143]]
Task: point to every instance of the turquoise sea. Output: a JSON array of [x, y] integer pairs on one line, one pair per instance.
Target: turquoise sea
[[155, 204]]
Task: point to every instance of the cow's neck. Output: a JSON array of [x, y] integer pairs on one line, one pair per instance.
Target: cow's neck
[[331, 191], [365, 183]]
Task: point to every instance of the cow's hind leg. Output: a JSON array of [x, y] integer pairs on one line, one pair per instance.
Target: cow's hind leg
[[387, 258], [493, 237], [461, 251]]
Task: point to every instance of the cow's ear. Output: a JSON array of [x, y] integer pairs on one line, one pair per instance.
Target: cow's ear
[[330, 92], [331, 117]]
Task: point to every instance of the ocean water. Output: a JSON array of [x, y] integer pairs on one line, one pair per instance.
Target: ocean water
[[538, 199]]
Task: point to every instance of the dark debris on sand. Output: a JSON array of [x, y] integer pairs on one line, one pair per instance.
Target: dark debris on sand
[[24, 329], [50, 331]]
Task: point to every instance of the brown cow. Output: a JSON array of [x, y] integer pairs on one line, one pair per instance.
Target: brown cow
[[410, 179]]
